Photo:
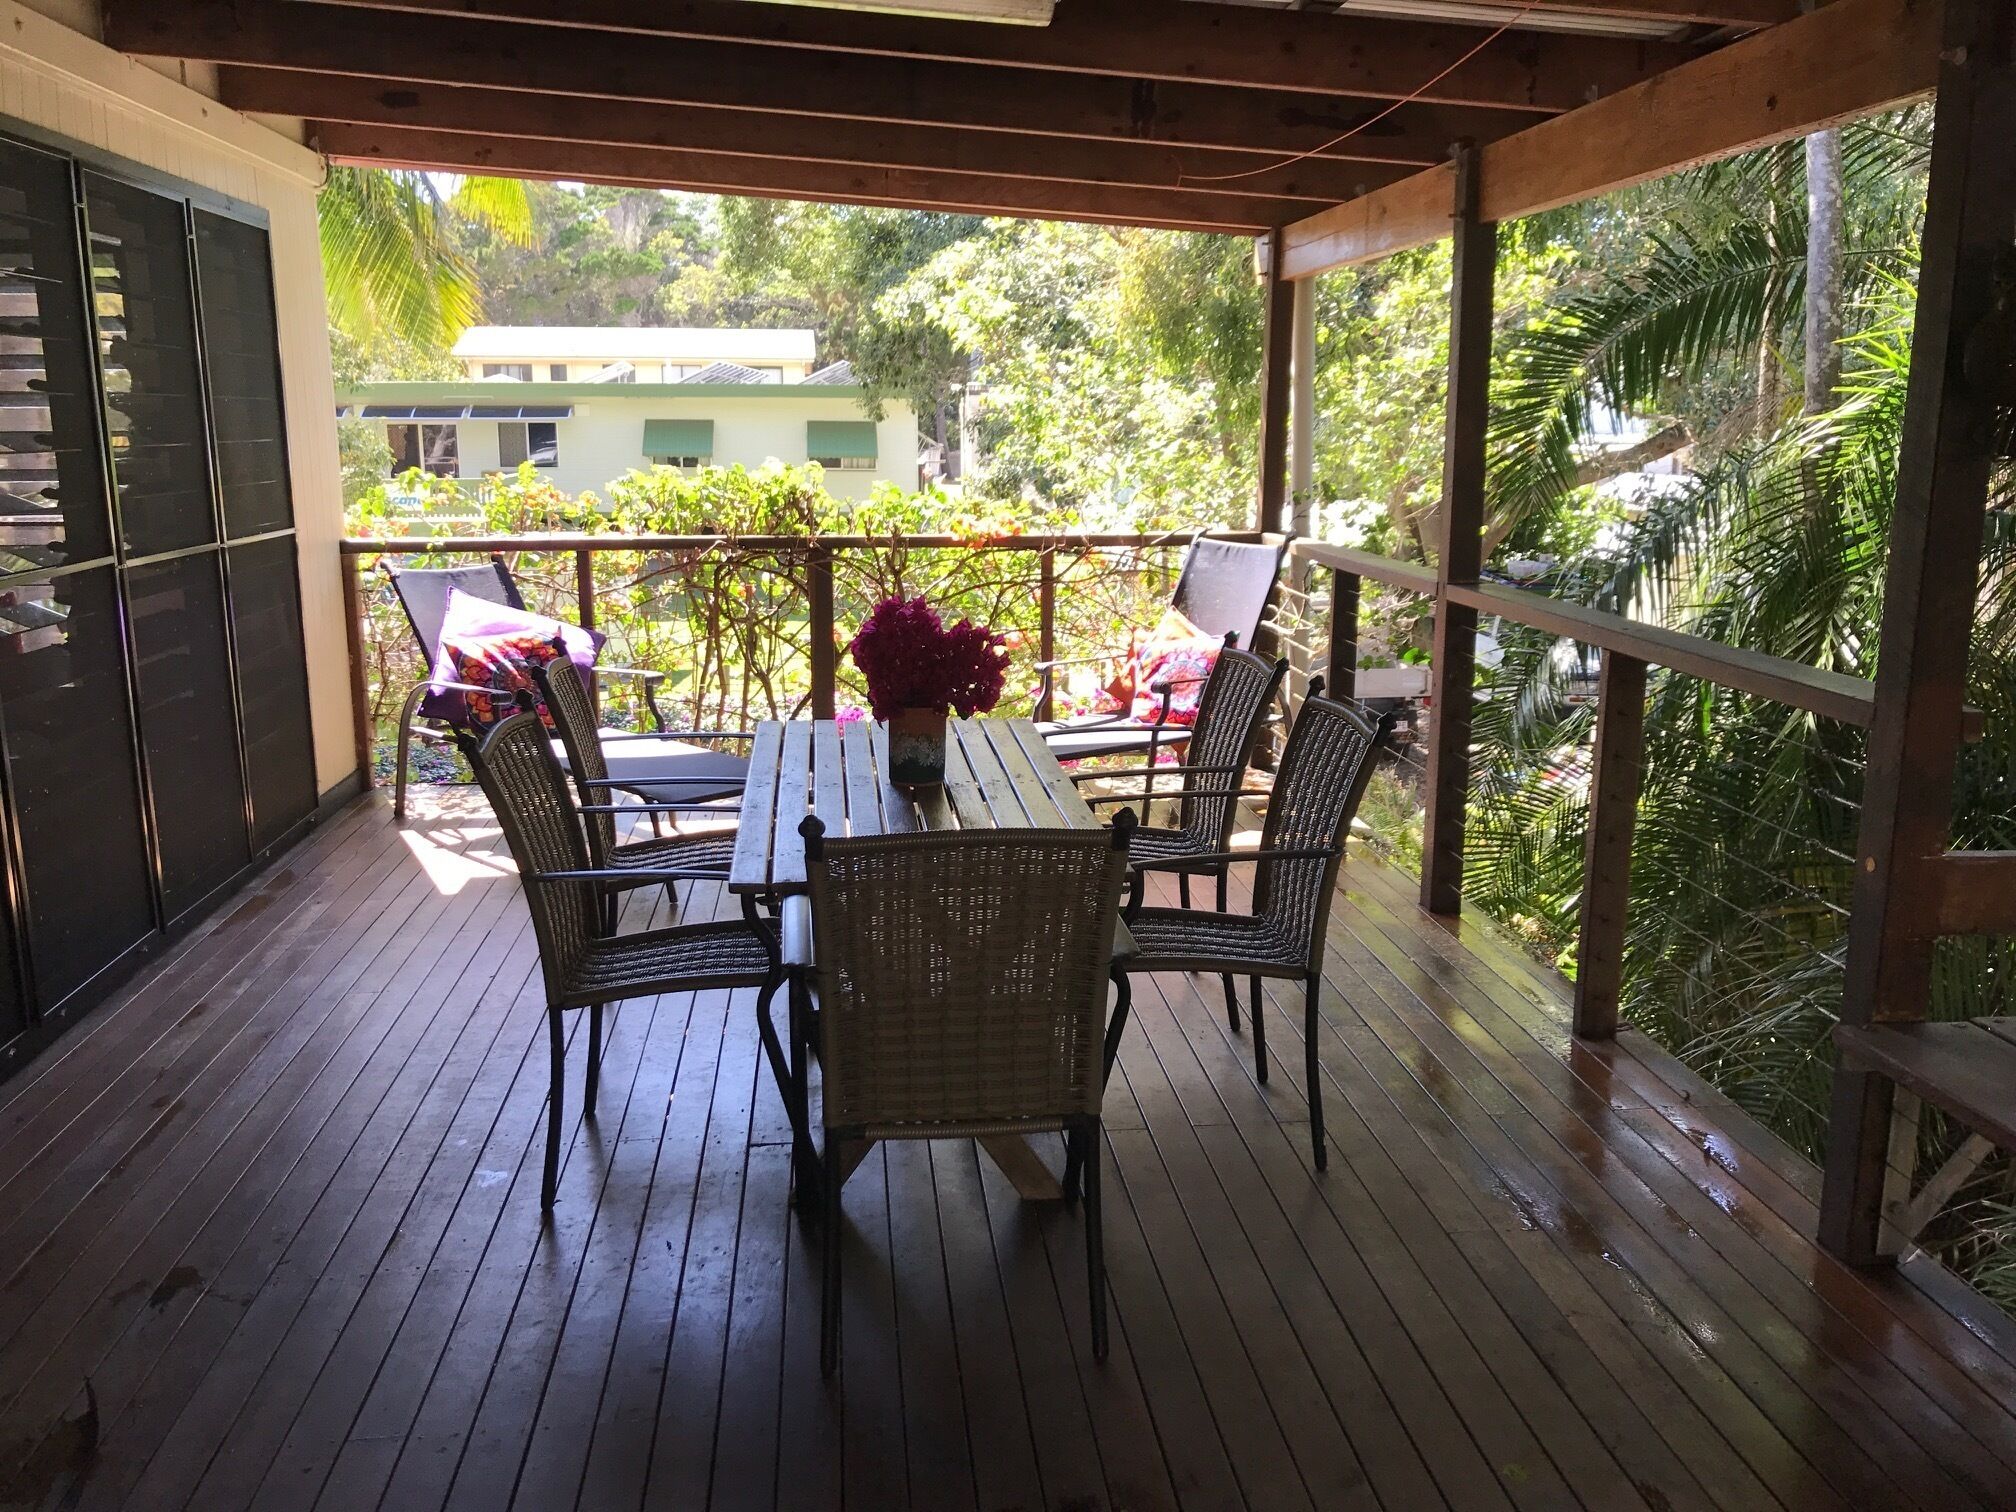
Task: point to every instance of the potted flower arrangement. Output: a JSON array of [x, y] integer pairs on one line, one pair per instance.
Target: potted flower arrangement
[[918, 670]]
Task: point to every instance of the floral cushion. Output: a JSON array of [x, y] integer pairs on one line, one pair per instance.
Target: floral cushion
[[492, 646], [1176, 650]]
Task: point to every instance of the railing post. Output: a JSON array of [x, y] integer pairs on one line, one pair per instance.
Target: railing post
[[1614, 783], [1276, 361], [353, 637], [819, 586], [1046, 624], [1461, 556], [1341, 662], [1943, 468], [584, 607]]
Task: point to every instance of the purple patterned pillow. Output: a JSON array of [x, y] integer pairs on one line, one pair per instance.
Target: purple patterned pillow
[[476, 635]]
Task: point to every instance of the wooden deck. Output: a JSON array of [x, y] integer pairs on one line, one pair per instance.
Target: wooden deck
[[278, 1205]]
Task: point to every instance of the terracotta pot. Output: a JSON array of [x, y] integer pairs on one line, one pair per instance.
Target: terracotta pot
[[917, 747]]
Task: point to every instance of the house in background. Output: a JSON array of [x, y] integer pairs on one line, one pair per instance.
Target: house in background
[[610, 415], [631, 354]]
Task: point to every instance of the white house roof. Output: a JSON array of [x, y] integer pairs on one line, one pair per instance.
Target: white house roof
[[649, 343]]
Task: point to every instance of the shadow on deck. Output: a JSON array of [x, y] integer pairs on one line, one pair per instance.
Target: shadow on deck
[[279, 1206]]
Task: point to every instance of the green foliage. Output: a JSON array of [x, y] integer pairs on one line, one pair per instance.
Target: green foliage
[[392, 250]]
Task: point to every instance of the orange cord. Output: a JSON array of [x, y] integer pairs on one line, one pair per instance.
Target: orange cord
[[1371, 120]]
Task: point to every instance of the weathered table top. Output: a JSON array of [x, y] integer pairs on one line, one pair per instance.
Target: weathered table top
[[998, 773]]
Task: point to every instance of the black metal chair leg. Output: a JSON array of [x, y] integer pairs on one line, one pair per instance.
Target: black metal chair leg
[[556, 1040], [1312, 1072], [594, 1088], [1257, 1011], [1183, 888], [1123, 1002], [1224, 878], [1074, 1165], [1094, 1140], [1231, 1003], [829, 1287], [671, 899]]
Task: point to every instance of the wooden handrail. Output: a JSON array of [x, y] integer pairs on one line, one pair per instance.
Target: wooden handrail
[[1832, 695], [616, 541]]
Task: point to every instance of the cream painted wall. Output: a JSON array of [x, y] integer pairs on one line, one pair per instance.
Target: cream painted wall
[[56, 78], [604, 438]]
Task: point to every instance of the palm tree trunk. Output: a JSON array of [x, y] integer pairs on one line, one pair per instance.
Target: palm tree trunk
[[1823, 269]]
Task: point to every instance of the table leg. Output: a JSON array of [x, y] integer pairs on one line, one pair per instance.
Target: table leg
[[1023, 1167]]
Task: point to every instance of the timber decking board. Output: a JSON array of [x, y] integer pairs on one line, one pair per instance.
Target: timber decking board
[[1538, 1274]]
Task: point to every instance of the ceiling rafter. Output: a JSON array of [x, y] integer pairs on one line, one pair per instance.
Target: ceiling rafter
[[1177, 41], [717, 173], [751, 134], [446, 50]]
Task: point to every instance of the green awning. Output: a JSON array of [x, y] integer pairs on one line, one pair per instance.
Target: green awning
[[849, 440], [678, 438]]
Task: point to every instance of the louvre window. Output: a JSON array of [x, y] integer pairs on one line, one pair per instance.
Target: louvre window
[[534, 441], [154, 726]]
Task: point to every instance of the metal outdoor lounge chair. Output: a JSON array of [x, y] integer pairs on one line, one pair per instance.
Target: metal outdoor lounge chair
[[962, 982], [658, 766], [1330, 757], [1223, 589], [585, 963]]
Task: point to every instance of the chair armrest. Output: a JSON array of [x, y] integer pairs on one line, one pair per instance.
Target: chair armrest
[[657, 808], [1286, 853], [1078, 661], [1176, 792], [655, 874], [609, 736], [625, 784], [794, 927], [1109, 773], [1165, 685]]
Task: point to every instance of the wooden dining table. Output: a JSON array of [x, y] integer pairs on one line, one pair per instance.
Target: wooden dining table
[[999, 773]]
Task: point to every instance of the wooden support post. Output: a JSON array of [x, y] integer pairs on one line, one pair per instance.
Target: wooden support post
[[584, 608], [1276, 360], [1606, 868], [1341, 665], [353, 637], [1302, 411], [1461, 556], [1928, 606], [819, 565], [1046, 623]]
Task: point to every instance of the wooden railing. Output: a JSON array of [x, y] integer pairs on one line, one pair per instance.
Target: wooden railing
[[1629, 650], [817, 554]]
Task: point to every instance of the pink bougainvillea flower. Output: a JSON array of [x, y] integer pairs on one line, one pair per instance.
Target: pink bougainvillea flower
[[912, 661]]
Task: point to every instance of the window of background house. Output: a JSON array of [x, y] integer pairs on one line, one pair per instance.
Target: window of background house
[[557, 372], [846, 464], [685, 462], [434, 448], [522, 371], [534, 441]]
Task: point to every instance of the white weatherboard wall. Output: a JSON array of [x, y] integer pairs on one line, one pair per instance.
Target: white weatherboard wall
[[58, 81], [604, 438]]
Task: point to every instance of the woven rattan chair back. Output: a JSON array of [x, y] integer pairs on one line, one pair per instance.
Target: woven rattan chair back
[[525, 786], [963, 976], [1323, 775], [423, 594], [566, 699], [1228, 722]]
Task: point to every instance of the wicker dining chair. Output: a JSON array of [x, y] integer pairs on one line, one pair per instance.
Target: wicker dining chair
[[1234, 704], [706, 852], [962, 984], [1329, 760], [584, 962]]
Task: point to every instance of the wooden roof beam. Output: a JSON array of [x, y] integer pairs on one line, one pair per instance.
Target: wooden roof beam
[[839, 183], [1178, 41], [318, 39], [1850, 58], [751, 134]]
